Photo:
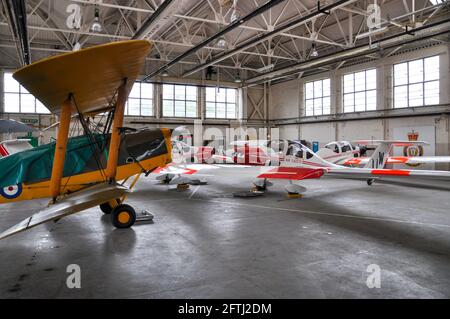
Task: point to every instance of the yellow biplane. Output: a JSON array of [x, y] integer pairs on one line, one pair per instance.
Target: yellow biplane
[[81, 172]]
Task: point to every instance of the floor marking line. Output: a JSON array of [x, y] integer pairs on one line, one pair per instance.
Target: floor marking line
[[195, 191], [328, 214]]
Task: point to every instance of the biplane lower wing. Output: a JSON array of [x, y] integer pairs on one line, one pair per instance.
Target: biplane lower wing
[[70, 204]]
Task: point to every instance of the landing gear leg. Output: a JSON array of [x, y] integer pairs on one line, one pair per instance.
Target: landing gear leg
[[261, 185]]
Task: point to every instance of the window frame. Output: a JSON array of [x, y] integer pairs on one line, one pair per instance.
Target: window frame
[[235, 103], [20, 94], [174, 99], [408, 83], [322, 97], [140, 98], [354, 91]]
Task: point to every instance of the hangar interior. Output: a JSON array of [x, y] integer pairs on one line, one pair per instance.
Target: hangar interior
[[320, 71]]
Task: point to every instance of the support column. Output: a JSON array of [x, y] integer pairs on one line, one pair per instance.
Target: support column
[[60, 150], [114, 144]]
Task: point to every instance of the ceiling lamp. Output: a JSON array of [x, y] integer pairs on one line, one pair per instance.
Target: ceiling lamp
[[222, 43], [96, 25], [165, 73], [238, 78], [314, 52]]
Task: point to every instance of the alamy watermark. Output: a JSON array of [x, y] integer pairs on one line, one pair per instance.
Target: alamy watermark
[[73, 281]]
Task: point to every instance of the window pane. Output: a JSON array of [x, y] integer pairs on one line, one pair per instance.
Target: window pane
[[133, 106], [191, 93], [231, 95], [317, 89], [432, 68], [210, 110], [432, 93], [146, 107], [349, 102], [191, 109], [180, 92], [401, 74], [326, 87], [220, 95], [401, 96], [136, 90], [309, 107], [231, 111], [415, 71], [40, 108], [360, 101], [371, 79], [309, 90], [326, 105], [210, 94], [360, 81], [416, 94], [221, 110], [27, 104], [180, 108], [167, 108], [10, 85], [318, 106], [167, 91], [146, 91], [371, 102], [348, 83], [12, 103]]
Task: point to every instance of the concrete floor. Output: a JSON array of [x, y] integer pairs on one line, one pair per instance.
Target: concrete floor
[[206, 244]]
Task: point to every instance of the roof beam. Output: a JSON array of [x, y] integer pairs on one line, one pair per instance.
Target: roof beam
[[285, 27]]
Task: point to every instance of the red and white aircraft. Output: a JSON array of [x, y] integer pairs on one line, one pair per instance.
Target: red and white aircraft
[[346, 153], [301, 163]]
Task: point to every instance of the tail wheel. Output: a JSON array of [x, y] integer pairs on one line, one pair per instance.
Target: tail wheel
[[106, 207], [123, 216]]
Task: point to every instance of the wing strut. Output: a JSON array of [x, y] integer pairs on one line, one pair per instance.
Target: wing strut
[[114, 145], [60, 149]]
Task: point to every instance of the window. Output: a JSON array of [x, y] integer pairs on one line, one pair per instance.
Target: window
[[317, 97], [140, 100], [416, 82], [18, 100], [179, 100], [221, 103], [360, 91]]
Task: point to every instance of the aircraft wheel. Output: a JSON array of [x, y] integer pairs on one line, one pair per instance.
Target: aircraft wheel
[[106, 207], [123, 216], [370, 182]]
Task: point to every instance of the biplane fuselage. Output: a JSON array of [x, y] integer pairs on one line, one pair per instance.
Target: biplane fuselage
[[70, 184]]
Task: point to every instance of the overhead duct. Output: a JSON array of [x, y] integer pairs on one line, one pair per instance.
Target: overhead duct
[[326, 10], [268, 5], [418, 34], [16, 14], [155, 21]]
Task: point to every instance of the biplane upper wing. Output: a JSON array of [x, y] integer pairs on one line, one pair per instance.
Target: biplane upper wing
[[91, 75], [71, 204]]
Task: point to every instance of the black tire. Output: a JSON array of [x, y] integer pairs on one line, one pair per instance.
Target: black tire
[[370, 182], [123, 216], [106, 207]]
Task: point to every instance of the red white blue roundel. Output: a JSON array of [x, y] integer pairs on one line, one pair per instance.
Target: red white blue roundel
[[11, 192]]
